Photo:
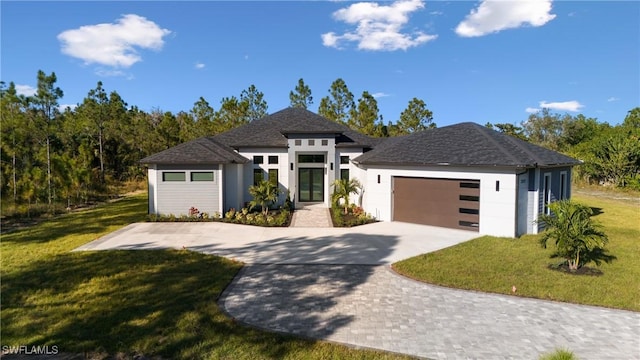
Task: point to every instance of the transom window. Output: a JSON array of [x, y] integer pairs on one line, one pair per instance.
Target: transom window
[[344, 159], [311, 158], [273, 159], [202, 176], [258, 159], [173, 176]]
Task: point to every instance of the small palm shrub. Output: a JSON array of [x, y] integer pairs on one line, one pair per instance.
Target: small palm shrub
[[342, 190], [264, 194], [577, 238]]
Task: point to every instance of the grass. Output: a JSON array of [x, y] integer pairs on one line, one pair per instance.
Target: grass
[[495, 265], [126, 303]]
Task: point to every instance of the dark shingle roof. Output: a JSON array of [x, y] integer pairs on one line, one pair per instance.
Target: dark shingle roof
[[205, 150], [271, 130], [465, 144]]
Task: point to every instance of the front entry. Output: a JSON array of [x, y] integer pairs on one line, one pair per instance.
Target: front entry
[[311, 184]]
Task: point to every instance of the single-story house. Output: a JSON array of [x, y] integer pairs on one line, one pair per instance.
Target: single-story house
[[463, 176]]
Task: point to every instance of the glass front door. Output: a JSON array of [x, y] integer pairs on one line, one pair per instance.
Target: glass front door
[[311, 184]]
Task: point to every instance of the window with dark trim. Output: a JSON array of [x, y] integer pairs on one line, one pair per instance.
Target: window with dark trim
[[312, 142], [344, 174], [468, 223], [468, 211], [258, 176], [325, 142], [344, 159], [311, 158], [258, 159], [273, 176], [174, 176], [470, 185], [469, 198], [202, 176], [273, 159], [298, 142], [546, 193], [563, 185]]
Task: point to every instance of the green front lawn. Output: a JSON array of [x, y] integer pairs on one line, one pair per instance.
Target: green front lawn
[[494, 264], [124, 303]]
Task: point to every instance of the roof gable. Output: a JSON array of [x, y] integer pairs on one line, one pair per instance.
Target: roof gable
[[465, 144], [272, 130]]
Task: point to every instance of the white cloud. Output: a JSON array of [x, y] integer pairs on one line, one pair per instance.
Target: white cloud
[[63, 107], [109, 72], [380, 95], [492, 16], [378, 28], [436, 13], [572, 105], [25, 90], [199, 65], [113, 44], [612, 99], [531, 110]]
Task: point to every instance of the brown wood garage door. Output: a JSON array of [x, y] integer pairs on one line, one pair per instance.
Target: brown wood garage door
[[438, 202]]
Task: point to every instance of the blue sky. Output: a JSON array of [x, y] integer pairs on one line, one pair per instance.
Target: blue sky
[[480, 61]]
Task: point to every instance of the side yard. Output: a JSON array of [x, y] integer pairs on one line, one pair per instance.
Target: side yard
[[520, 266], [121, 304]]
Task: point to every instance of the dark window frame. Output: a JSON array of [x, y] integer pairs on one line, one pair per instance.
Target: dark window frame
[[164, 178], [202, 173], [272, 159], [313, 158], [258, 176], [273, 179], [258, 159]]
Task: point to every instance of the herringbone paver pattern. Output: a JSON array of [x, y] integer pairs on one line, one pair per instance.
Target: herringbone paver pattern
[[371, 306]]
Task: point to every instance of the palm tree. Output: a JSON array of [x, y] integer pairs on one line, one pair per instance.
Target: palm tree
[[264, 194], [343, 188], [578, 239]]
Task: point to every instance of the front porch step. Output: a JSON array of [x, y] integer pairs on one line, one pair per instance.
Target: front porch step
[[316, 215]]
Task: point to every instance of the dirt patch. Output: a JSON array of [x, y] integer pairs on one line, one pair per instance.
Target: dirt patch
[[611, 194], [585, 270]]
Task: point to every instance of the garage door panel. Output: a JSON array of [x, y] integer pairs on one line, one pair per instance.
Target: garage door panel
[[449, 203]]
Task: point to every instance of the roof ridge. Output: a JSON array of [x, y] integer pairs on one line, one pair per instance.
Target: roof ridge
[[520, 146], [481, 130]]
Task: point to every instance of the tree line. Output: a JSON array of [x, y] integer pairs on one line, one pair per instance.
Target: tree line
[[70, 156], [51, 155], [610, 154]]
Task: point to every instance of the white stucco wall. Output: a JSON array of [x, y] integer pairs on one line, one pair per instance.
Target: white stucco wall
[[153, 188], [355, 172], [497, 208], [247, 175]]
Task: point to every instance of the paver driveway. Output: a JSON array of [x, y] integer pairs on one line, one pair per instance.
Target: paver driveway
[[335, 284]]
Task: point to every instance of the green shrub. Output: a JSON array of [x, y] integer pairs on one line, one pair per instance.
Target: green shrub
[[559, 354]]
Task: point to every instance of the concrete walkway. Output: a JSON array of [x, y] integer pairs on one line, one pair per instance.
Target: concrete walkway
[[371, 306], [312, 215]]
